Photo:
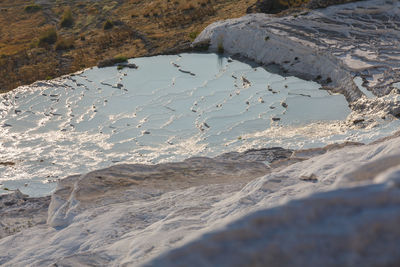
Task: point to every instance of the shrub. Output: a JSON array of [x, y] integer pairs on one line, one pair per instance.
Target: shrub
[[32, 8], [220, 48], [193, 35], [48, 37], [120, 59], [112, 61], [108, 25], [65, 44], [67, 20]]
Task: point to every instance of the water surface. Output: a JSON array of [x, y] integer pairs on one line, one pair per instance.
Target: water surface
[[169, 109]]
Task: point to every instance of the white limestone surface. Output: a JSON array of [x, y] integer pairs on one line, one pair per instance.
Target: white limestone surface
[[131, 215], [333, 45], [169, 109], [336, 206]]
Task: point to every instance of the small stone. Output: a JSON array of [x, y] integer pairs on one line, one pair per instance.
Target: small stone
[[311, 178], [358, 121]]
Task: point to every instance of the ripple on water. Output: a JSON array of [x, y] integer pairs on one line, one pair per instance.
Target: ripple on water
[[170, 108]]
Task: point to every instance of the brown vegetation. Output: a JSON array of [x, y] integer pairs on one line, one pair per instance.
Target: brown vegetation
[[59, 37]]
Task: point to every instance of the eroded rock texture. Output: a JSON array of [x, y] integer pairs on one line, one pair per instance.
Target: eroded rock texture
[[103, 187], [265, 155], [19, 212], [313, 4], [340, 228], [273, 6], [276, 6], [329, 45], [230, 212]]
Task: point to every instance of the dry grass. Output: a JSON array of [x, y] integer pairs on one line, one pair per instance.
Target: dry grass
[[140, 27]]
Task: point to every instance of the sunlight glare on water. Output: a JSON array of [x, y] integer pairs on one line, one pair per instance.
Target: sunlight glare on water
[[169, 109]]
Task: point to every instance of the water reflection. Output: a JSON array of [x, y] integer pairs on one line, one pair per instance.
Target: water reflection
[[169, 109]]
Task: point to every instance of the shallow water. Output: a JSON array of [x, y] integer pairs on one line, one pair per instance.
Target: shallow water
[[359, 82], [169, 109]]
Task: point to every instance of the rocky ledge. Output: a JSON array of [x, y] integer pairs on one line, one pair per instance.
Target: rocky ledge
[[209, 209], [19, 212], [276, 6]]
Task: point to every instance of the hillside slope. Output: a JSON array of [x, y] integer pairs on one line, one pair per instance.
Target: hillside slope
[[88, 31]]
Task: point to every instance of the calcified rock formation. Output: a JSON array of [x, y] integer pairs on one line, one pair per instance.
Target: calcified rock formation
[[313, 4], [331, 45], [349, 227], [95, 118], [275, 6], [19, 212], [135, 214], [78, 193], [334, 206]]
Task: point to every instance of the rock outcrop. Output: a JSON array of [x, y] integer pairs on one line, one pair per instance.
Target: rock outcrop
[[331, 46], [273, 6], [314, 4], [78, 193], [19, 212], [266, 155], [338, 228], [276, 6], [328, 46], [335, 206]]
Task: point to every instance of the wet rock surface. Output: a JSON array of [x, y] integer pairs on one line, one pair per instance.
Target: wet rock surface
[[385, 106]]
